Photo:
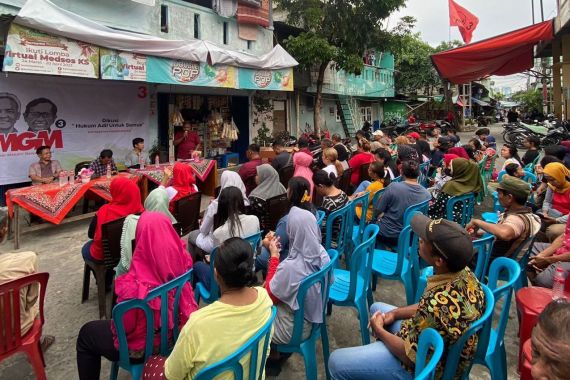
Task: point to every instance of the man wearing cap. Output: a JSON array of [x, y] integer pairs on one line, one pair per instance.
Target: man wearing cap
[[515, 225], [448, 248], [413, 137]]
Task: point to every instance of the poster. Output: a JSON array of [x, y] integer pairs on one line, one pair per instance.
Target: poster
[[278, 80], [76, 117], [121, 65], [162, 70], [32, 51]]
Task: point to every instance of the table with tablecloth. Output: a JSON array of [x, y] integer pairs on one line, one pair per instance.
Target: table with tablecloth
[[204, 170], [53, 202]]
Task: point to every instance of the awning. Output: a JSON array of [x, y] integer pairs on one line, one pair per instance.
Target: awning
[[480, 102], [47, 17], [506, 54]]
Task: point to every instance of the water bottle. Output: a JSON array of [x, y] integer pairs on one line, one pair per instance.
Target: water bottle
[[157, 162], [108, 171], [62, 178], [71, 178], [171, 160], [558, 284], [141, 162]]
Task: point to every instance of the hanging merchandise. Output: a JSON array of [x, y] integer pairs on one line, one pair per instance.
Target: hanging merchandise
[[230, 131]]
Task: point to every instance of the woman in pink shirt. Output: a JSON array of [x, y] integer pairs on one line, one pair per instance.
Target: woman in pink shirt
[[362, 157], [302, 163]]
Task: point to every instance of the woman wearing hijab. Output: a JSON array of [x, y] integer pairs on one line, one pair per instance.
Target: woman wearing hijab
[[306, 256], [465, 178], [268, 186], [183, 183], [556, 206], [157, 200], [159, 257], [302, 163], [202, 238], [459, 151], [126, 200]]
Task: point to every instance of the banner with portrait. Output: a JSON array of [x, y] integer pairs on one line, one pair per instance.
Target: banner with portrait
[[170, 71], [278, 80], [31, 51], [121, 65], [78, 118]]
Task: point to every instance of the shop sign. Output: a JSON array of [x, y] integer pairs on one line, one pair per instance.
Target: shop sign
[[277, 80], [121, 65], [32, 51], [162, 70]]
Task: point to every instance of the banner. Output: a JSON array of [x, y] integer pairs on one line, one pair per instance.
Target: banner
[[32, 51], [121, 65], [77, 118], [278, 80], [162, 70]]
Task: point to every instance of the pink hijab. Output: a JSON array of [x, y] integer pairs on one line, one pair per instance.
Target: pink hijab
[[159, 256], [302, 163]]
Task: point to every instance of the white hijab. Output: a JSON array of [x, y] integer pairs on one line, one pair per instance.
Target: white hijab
[[231, 178]]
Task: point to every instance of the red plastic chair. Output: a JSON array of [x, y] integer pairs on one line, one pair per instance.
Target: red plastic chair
[[11, 339], [525, 370]]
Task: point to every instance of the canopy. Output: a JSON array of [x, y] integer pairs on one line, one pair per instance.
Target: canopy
[[506, 54], [48, 17], [480, 102]]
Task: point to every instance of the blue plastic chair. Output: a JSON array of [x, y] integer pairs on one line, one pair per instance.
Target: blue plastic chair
[[430, 341], [493, 217], [396, 265], [454, 351], [467, 202], [375, 203], [121, 309], [422, 207], [308, 347], [522, 259], [398, 179], [342, 217], [350, 287], [256, 362], [491, 346], [484, 248], [357, 230], [529, 177], [212, 295], [424, 174], [320, 217]]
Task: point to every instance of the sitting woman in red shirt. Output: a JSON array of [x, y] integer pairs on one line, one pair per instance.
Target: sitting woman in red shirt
[[362, 157], [556, 205], [183, 183]]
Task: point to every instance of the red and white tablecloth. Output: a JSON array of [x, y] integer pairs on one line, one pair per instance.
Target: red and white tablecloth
[[201, 170]]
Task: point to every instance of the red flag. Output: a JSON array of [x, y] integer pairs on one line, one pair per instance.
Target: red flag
[[462, 18]]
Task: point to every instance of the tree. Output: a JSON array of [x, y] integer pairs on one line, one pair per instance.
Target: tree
[[336, 32], [531, 100]]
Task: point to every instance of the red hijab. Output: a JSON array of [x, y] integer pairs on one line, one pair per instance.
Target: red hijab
[[460, 151], [159, 256], [447, 158], [182, 181], [126, 200]]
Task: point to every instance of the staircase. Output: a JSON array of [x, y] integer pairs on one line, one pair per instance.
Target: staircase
[[347, 115]]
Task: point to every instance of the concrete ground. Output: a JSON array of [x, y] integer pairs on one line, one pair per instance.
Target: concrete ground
[[59, 254]]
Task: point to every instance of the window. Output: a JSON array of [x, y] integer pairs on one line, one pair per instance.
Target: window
[[338, 111], [365, 114], [196, 25], [164, 18], [249, 45], [225, 34]]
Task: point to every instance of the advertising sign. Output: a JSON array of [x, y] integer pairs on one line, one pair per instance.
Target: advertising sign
[[162, 70], [277, 80], [32, 51], [76, 118], [120, 65]]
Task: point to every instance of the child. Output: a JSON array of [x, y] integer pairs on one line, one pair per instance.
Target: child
[[380, 179]]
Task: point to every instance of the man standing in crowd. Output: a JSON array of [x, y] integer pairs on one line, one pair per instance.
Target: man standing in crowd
[[186, 141], [248, 171], [516, 224], [9, 112], [17, 265], [282, 157], [99, 166], [46, 169], [135, 156], [40, 114]]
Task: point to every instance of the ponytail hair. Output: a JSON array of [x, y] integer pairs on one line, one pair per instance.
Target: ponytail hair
[[322, 178], [332, 155], [299, 192], [382, 174]]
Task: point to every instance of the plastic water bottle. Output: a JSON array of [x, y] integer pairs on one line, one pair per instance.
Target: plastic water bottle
[[157, 162], [62, 178], [141, 162], [108, 171], [558, 284], [71, 177]]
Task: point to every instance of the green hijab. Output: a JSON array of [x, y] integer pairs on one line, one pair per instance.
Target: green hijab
[[157, 200], [465, 178]]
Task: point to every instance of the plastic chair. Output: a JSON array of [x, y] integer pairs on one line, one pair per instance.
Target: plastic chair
[[350, 287], [421, 207], [484, 248], [187, 213], [397, 179], [454, 351], [396, 265], [491, 346], [341, 217], [344, 181], [430, 341], [119, 311], [467, 202], [275, 209], [285, 174], [212, 295], [522, 259], [364, 176], [531, 167], [529, 177], [320, 217], [424, 174], [256, 362], [12, 341], [358, 229], [307, 347]]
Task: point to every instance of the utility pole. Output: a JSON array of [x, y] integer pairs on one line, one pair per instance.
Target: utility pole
[[532, 5], [541, 10]]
